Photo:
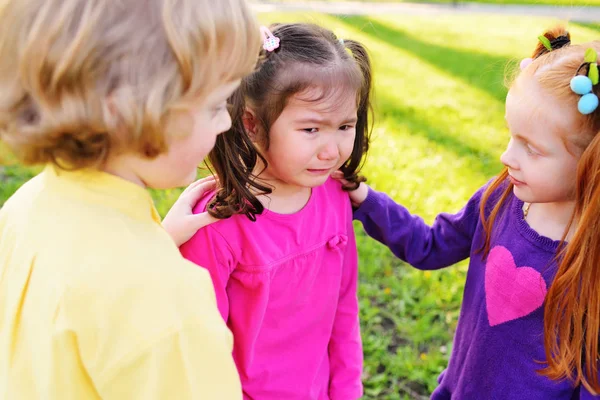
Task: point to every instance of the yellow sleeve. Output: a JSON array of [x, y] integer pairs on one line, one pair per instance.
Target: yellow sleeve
[[193, 362]]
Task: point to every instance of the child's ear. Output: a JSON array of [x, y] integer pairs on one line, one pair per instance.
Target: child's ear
[[250, 124]]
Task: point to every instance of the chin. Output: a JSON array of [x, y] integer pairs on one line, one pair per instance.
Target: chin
[[524, 196], [315, 181]]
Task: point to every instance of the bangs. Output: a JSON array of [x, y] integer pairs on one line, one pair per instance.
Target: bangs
[[333, 82], [314, 83]]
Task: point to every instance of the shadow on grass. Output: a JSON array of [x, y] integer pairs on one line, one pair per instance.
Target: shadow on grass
[[483, 161], [480, 70], [592, 26]]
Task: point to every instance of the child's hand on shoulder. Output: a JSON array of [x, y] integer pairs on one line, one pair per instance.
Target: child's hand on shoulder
[[180, 222], [358, 195]]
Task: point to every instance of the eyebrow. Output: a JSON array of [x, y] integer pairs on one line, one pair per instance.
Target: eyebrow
[[531, 142], [543, 149], [319, 121]]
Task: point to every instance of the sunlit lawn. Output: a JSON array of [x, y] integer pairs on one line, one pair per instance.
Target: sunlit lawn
[[439, 133], [566, 3]]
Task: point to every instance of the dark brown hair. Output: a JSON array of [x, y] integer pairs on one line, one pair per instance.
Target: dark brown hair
[[572, 310], [308, 56]]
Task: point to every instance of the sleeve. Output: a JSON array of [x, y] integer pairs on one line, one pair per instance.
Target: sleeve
[[442, 244], [208, 249], [345, 346], [193, 362]]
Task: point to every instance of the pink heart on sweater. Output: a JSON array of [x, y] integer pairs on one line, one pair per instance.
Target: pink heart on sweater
[[511, 292]]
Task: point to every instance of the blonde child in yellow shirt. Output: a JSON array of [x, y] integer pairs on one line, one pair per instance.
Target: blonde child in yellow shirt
[[113, 97]]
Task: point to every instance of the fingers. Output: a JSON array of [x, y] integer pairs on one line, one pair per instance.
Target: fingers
[[339, 176], [199, 182], [203, 219], [195, 193]]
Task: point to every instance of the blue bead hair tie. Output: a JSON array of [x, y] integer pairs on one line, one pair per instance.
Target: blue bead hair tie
[[583, 85]]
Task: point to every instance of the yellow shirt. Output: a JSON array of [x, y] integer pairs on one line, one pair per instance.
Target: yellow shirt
[[97, 302]]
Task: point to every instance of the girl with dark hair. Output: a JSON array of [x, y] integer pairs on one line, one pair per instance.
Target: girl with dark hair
[[283, 256]]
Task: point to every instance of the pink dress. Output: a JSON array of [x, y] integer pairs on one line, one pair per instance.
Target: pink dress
[[286, 286]]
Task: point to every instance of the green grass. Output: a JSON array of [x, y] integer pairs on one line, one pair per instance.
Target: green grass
[[574, 3], [439, 134]]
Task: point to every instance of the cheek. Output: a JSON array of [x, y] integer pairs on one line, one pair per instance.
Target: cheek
[[570, 173], [193, 142], [289, 147], [557, 175], [288, 156], [224, 122], [188, 153], [199, 143], [346, 147]]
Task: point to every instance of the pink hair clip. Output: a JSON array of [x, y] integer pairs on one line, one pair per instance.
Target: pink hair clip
[[270, 42], [525, 63]]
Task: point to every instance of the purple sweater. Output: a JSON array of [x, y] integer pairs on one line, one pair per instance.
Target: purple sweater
[[499, 337]]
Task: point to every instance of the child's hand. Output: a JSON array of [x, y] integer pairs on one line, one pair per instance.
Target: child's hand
[[357, 196], [180, 222]]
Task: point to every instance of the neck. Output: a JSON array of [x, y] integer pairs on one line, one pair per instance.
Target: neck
[[120, 166], [285, 198], [552, 219]]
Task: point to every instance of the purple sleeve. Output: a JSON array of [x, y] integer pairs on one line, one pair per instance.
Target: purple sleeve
[[208, 249], [345, 346], [444, 243]]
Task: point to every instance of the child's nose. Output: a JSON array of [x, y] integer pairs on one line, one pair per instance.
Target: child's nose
[[329, 151], [508, 159]]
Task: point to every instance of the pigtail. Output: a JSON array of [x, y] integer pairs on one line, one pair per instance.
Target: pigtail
[[364, 125], [234, 159], [572, 311]]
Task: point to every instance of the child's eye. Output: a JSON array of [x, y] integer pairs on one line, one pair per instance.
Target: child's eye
[[220, 108], [310, 130], [530, 151], [346, 127]]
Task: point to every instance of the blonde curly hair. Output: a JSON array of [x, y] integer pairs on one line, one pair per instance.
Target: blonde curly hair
[[81, 79]]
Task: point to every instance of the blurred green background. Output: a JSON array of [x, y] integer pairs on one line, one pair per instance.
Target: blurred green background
[[575, 3]]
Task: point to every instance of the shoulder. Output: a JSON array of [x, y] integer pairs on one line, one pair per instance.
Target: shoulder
[[150, 258], [202, 204], [149, 291], [23, 198], [333, 193], [223, 227], [333, 186], [224, 238]]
